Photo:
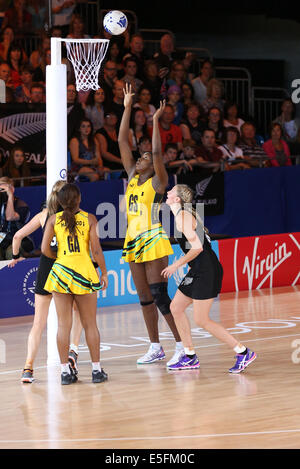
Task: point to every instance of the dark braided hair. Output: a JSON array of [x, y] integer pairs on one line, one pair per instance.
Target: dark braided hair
[[68, 197]]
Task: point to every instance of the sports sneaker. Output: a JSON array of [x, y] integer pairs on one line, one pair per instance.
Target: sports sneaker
[[242, 361], [178, 354], [68, 378], [151, 356], [99, 376], [27, 376], [73, 361], [185, 363]]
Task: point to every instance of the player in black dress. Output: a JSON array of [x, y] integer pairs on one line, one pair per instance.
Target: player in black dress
[[201, 284]]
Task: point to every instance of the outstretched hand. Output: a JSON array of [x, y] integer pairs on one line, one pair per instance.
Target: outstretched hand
[[169, 271], [127, 95], [13, 262], [160, 110]]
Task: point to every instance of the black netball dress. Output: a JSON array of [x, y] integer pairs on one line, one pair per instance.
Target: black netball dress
[[45, 266], [204, 278]]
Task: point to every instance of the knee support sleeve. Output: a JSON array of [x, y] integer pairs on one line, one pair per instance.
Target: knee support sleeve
[[146, 303], [161, 297]]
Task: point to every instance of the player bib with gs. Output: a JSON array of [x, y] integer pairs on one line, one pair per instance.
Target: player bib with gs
[[145, 238]]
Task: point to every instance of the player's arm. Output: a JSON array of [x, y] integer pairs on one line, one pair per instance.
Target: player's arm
[[125, 150], [186, 224], [160, 179], [34, 224], [47, 238], [96, 249]]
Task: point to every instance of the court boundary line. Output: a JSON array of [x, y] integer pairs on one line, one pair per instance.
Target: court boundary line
[[139, 438]]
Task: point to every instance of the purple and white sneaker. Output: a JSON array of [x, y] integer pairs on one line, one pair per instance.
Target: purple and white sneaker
[[153, 355], [185, 363], [242, 361]]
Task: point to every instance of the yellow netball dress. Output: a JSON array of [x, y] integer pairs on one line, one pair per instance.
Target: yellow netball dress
[[73, 270], [145, 239]]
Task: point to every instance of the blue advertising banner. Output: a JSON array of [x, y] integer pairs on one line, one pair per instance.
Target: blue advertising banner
[[17, 284]]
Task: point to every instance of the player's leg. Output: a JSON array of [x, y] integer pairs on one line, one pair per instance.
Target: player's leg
[[189, 360], [87, 307], [202, 319], [155, 351], [159, 289], [75, 337], [63, 305], [42, 303]]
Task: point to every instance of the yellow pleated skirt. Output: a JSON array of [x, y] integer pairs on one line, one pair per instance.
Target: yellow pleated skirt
[[65, 279], [147, 246]]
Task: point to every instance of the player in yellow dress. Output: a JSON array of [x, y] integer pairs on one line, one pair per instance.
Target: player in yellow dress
[[147, 246], [73, 277]]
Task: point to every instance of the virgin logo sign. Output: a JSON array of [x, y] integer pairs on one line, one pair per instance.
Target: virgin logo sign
[[260, 262]]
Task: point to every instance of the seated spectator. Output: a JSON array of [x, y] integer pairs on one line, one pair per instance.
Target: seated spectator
[[37, 56], [153, 81], [167, 53], [215, 90], [192, 126], [231, 151], [130, 70], [14, 215], [231, 118], [62, 12], [143, 102], [170, 153], [290, 125], [251, 150], [208, 150], [169, 132], [137, 130], [107, 138], [200, 83], [177, 75], [108, 80], [94, 108], [15, 61], [215, 122], [117, 106], [39, 74], [144, 145], [75, 112], [8, 37], [56, 31], [17, 167], [23, 92], [187, 94], [114, 55], [37, 93], [39, 14], [137, 53], [17, 18], [276, 148], [85, 153], [5, 74], [186, 160], [77, 28], [174, 97]]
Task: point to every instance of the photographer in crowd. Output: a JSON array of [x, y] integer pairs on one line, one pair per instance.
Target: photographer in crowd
[[14, 213]]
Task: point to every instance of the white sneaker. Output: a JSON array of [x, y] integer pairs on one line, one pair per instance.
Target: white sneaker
[[178, 354], [153, 355]]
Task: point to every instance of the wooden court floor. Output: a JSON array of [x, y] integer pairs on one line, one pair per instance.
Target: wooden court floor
[[148, 407]]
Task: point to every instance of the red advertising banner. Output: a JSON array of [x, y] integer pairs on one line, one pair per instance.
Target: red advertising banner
[[260, 262]]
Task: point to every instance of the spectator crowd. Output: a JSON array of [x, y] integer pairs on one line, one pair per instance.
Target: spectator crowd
[[201, 129]]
